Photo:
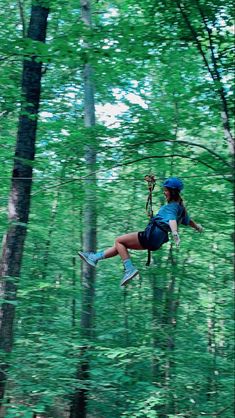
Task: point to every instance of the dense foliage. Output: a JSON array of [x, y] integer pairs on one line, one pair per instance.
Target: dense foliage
[[163, 346]]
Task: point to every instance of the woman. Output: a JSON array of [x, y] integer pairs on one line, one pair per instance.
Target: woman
[[168, 218]]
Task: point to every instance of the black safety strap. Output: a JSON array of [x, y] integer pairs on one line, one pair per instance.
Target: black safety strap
[[149, 204], [149, 258]]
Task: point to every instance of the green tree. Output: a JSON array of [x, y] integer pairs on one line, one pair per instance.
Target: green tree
[[163, 346]]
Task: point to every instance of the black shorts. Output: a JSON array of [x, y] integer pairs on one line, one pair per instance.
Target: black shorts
[[152, 238]]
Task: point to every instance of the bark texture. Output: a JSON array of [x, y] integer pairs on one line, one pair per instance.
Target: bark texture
[[19, 199], [80, 397]]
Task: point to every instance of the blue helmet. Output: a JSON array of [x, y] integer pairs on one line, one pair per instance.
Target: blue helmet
[[174, 183]]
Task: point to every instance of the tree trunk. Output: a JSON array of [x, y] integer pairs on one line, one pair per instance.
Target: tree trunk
[[170, 322], [79, 402], [212, 379], [19, 199], [158, 295], [158, 291], [44, 295], [163, 323]]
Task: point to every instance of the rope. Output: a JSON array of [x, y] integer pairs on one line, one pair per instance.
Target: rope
[[151, 180]]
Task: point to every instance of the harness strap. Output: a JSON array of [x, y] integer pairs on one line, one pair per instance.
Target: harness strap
[[148, 258], [149, 204]]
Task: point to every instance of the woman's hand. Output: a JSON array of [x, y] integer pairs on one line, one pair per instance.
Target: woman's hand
[[176, 238], [196, 226], [199, 228]]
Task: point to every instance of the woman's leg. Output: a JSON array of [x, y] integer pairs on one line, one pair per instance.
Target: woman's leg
[[125, 242], [122, 244]]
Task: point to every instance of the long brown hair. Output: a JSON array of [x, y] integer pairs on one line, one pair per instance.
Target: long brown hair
[[175, 197]]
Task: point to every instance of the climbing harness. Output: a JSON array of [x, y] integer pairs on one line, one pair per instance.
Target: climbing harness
[[149, 204]]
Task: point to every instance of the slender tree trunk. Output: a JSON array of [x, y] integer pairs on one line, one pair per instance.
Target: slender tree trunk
[[74, 264], [212, 380], [158, 294], [157, 311], [170, 321], [44, 295], [50, 232], [19, 199], [79, 402], [166, 316], [158, 330]]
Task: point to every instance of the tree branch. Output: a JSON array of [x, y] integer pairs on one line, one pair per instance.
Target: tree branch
[[217, 77], [164, 156], [215, 414], [178, 142], [130, 163], [213, 73], [195, 36]]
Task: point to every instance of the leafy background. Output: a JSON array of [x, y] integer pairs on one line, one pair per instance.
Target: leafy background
[[163, 346]]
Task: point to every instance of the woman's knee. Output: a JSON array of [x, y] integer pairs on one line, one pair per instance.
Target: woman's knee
[[119, 240]]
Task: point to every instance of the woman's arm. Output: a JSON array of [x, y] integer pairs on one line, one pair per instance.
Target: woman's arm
[[196, 226], [174, 231], [173, 226]]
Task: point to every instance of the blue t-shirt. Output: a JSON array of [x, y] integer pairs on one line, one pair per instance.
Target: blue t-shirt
[[172, 211]]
